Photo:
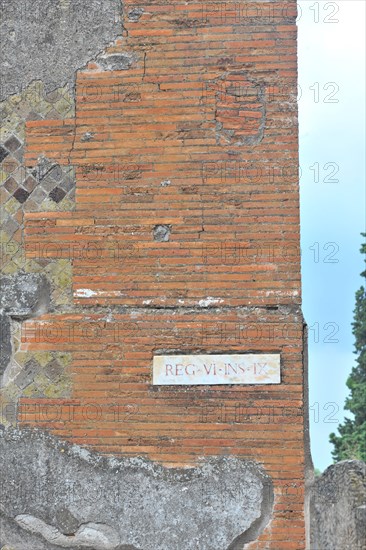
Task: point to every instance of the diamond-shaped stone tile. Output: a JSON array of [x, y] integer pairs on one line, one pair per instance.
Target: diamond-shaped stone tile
[[43, 262], [4, 195], [21, 195], [30, 184], [4, 237], [54, 370], [57, 194], [10, 164], [56, 173], [33, 390], [48, 183], [53, 114], [19, 260], [10, 268], [33, 116], [63, 107], [42, 169], [12, 205], [39, 195], [9, 412], [12, 144], [52, 96], [67, 184], [20, 174], [26, 376], [3, 153], [10, 226], [19, 154], [11, 185], [30, 206]]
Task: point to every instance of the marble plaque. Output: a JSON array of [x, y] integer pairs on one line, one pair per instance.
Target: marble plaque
[[189, 370]]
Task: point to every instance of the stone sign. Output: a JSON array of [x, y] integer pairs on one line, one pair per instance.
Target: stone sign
[[188, 370]]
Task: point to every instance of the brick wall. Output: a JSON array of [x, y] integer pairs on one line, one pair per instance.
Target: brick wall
[[184, 239]]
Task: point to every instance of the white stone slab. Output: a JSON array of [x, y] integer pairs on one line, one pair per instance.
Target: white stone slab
[[189, 370]]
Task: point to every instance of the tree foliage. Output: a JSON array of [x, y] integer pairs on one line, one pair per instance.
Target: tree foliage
[[351, 441]]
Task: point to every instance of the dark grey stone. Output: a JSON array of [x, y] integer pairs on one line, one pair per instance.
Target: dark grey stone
[[66, 522], [55, 495], [5, 342], [57, 194], [21, 195]]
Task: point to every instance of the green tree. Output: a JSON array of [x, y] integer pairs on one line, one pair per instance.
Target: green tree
[[351, 441]]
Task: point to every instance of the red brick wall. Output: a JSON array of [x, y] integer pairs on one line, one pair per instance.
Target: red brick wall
[[199, 135]]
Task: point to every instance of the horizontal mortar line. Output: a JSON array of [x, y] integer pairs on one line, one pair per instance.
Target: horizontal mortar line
[[274, 315], [276, 308]]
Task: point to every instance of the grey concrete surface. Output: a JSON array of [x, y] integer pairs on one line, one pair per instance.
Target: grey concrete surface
[[54, 494], [338, 507], [49, 40]]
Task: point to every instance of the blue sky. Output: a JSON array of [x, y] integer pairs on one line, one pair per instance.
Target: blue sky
[[332, 147]]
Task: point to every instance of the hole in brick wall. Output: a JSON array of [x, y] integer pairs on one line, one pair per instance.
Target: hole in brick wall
[[88, 136], [162, 233], [135, 14], [165, 183]]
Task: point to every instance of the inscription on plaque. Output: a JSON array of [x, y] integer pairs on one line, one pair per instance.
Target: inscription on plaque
[[189, 370]]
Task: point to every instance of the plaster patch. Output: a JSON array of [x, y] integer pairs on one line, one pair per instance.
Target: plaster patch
[[84, 293], [209, 301]]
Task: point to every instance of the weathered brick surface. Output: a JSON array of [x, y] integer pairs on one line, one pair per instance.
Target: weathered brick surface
[[184, 239]]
